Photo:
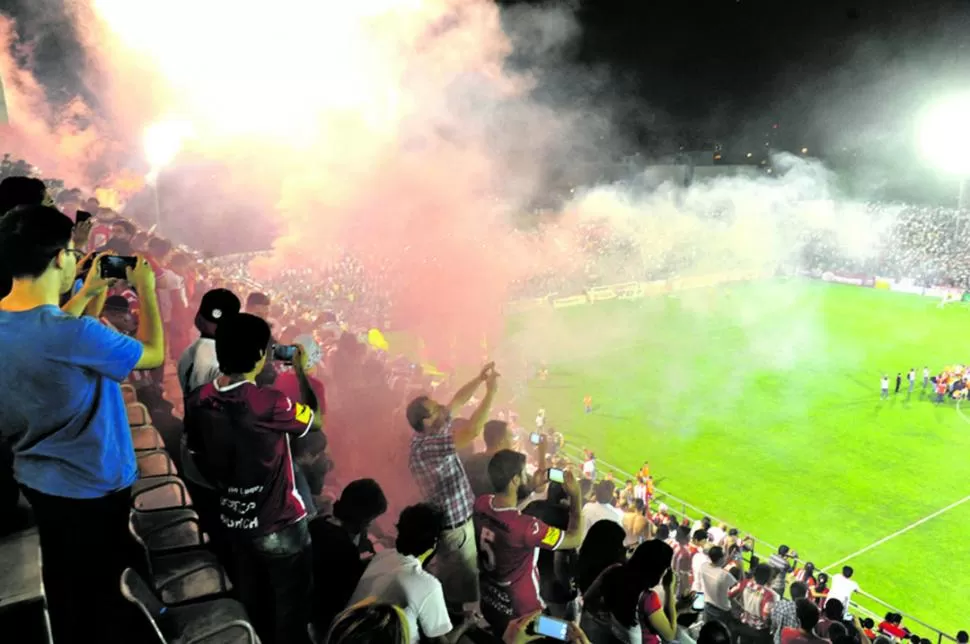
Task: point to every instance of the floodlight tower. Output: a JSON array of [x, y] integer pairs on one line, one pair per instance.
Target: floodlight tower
[[945, 140]]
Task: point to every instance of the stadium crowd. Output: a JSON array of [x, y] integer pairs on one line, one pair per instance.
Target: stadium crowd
[[206, 459]]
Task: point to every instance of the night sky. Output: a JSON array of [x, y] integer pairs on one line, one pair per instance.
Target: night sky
[[835, 75]]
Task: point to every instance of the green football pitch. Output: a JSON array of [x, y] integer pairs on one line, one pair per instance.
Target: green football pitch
[[760, 404]]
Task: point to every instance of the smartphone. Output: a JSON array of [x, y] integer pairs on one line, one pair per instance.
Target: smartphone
[[284, 352], [552, 627], [698, 602], [116, 266], [535, 438], [81, 216], [556, 475]]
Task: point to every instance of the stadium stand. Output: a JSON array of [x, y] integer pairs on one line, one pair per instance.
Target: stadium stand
[[182, 581]]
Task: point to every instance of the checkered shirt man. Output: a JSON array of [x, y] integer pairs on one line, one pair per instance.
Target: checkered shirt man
[[438, 471]]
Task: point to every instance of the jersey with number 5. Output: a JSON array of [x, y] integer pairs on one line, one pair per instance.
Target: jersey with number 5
[[508, 543]]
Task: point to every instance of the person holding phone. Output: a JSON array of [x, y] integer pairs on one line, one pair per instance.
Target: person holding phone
[[64, 416], [639, 610], [239, 436], [507, 540]]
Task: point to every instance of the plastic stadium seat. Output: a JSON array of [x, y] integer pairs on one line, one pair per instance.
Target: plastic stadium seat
[[146, 438], [220, 620], [129, 394], [155, 463], [169, 530], [160, 493], [138, 415], [185, 576]]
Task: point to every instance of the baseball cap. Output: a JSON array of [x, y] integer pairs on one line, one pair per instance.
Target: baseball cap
[[217, 303]]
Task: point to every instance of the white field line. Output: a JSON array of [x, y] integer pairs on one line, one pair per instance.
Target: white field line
[[904, 530]]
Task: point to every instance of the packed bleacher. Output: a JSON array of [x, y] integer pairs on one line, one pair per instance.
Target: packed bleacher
[[199, 457]]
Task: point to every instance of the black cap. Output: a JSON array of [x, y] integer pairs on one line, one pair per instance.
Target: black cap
[[217, 304]]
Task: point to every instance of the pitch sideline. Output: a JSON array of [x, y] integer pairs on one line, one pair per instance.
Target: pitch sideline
[[903, 530]]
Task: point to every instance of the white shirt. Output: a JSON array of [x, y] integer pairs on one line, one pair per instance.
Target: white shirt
[[198, 365], [589, 468], [540, 421], [400, 580], [716, 535], [697, 565], [926, 372], [912, 376], [715, 583], [884, 382], [594, 512], [841, 588]]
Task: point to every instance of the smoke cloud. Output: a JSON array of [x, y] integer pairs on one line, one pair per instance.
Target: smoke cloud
[[415, 135]]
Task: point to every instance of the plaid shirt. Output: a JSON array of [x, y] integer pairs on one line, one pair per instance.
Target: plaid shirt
[[783, 616], [436, 468]]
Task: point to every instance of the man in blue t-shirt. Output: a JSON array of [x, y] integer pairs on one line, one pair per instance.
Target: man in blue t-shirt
[[63, 415]]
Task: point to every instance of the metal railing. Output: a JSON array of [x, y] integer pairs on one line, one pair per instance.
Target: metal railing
[[699, 513]]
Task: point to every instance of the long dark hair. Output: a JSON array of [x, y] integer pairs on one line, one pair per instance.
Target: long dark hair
[[644, 570], [602, 547]]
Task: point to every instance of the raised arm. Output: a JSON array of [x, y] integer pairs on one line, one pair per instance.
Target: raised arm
[[307, 396], [464, 394], [467, 434], [150, 332], [574, 531]]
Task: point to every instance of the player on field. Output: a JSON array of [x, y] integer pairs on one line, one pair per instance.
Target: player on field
[[884, 387], [899, 381], [926, 376], [508, 539], [911, 377], [588, 403]]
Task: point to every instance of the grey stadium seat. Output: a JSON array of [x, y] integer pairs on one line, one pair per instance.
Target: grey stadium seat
[[159, 493], [184, 576], [168, 530], [219, 621]]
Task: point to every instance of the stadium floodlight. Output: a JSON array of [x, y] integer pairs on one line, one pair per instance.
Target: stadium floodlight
[[945, 134], [163, 141]]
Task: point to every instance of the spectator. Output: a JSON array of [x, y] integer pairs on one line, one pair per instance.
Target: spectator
[[435, 466], [551, 505], [756, 602], [715, 584], [714, 632], [601, 509], [497, 437], [337, 542], [962, 637], [638, 528], [781, 565], [807, 615], [370, 623], [258, 304], [821, 590], [602, 549], [831, 614], [783, 613], [239, 434], [683, 556], [199, 365], [843, 586], [19, 191], [64, 417], [698, 559], [398, 577], [637, 612], [806, 574], [122, 232], [508, 541]]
